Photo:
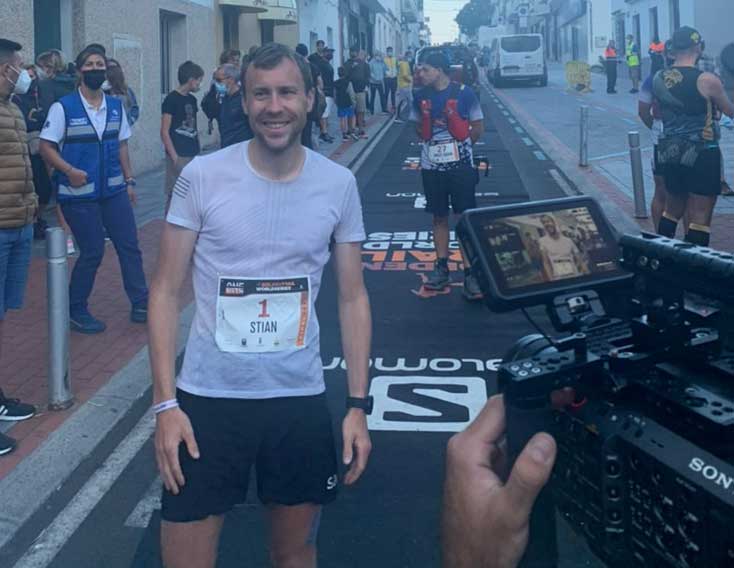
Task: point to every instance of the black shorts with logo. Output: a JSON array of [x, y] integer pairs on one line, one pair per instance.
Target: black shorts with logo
[[451, 186], [289, 441], [704, 178]]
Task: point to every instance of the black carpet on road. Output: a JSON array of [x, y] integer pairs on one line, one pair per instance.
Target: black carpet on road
[[433, 368]]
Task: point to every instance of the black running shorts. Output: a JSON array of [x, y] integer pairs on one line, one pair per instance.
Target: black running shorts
[[704, 178], [288, 440], [453, 186]]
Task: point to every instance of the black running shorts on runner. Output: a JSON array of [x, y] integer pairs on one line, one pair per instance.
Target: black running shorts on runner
[[657, 167], [453, 186], [288, 440], [704, 178]]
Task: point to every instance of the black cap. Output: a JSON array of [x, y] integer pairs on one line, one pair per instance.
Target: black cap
[[438, 60], [686, 37], [9, 45], [91, 49], [326, 48]]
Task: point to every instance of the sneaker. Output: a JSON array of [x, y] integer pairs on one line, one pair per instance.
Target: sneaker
[[354, 136], [471, 290], [438, 279], [139, 313], [725, 189], [7, 444], [363, 134], [398, 121], [325, 138], [346, 137], [12, 410], [633, 91], [84, 322]]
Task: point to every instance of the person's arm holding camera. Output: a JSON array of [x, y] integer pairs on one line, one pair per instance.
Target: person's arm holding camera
[[485, 520]]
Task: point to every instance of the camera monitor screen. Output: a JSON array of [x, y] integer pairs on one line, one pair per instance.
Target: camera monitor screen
[[534, 251]]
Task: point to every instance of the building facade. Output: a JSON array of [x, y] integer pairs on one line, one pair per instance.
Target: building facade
[[644, 19]]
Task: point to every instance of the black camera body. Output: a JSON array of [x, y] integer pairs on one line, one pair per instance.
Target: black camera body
[[645, 466]]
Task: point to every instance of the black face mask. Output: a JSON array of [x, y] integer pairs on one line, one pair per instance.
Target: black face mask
[[94, 78]]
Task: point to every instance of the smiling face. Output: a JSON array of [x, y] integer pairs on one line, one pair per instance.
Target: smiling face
[[277, 103], [549, 225]]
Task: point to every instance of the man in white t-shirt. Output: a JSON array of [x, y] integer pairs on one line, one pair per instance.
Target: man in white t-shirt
[[561, 257], [259, 221]]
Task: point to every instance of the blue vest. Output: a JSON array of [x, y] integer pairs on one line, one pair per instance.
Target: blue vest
[[85, 151]]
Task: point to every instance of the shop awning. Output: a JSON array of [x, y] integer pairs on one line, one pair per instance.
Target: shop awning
[[247, 6], [280, 12]]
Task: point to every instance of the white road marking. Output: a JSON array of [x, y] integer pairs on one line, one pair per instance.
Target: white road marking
[[562, 183], [540, 155], [630, 121], [512, 121], [600, 108], [618, 154], [519, 130], [505, 113], [527, 141], [55, 536], [151, 501], [420, 202]]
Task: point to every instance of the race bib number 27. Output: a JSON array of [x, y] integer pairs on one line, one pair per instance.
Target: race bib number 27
[[258, 315]]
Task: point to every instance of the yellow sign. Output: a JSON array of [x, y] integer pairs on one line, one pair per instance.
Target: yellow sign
[[578, 76]]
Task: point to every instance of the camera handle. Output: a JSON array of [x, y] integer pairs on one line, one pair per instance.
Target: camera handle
[[523, 424]]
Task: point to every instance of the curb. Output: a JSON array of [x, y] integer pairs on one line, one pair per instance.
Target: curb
[[28, 488]]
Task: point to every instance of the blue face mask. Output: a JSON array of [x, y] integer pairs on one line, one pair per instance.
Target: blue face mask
[[221, 89]]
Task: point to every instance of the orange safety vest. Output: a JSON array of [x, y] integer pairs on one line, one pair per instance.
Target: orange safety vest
[[610, 53], [657, 47]]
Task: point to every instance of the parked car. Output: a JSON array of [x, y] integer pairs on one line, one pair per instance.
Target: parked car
[[517, 58], [463, 67]]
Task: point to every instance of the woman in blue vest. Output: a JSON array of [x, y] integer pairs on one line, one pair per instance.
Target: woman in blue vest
[[85, 141]]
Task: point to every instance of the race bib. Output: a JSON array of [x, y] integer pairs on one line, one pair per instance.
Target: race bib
[[444, 152], [258, 315], [563, 268]]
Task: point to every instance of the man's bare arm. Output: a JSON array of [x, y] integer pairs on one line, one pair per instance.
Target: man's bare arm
[[174, 258], [644, 111], [477, 129], [711, 86], [354, 316]]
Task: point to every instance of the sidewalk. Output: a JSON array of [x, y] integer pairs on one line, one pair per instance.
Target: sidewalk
[[95, 360], [609, 175]]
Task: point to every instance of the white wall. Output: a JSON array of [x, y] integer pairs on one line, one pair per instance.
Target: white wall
[[600, 30], [315, 16]]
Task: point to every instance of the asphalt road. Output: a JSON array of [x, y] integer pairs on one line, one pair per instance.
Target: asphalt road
[[433, 368]]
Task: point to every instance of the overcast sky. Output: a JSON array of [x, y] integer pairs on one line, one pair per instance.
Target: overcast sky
[[442, 14]]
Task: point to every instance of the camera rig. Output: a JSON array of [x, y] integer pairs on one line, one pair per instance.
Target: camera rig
[[645, 464]]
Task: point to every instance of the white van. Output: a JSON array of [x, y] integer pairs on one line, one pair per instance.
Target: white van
[[517, 58]]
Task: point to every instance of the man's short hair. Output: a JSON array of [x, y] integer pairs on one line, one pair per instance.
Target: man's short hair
[[388, 49], [189, 70], [228, 54], [302, 49], [87, 52], [230, 71], [8, 49], [320, 42], [270, 55], [438, 60]]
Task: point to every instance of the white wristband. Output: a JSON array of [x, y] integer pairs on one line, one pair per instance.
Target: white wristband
[[165, 405]]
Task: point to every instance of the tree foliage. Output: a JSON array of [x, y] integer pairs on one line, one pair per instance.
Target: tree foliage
[[475, 13]]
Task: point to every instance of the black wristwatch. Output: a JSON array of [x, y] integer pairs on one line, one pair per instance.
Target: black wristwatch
[[363, 403]]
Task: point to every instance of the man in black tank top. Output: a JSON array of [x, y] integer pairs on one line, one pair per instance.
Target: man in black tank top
[[690, 101]]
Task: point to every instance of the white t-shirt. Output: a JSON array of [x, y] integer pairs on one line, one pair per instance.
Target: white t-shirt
[[252, 227], [54, 130], [560, 254]]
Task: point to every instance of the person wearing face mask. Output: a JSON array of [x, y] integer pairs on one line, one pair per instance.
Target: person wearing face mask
[[18, 207], [234, 127], [29, 104], [85, 141], [54, 79], [178, 123]]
